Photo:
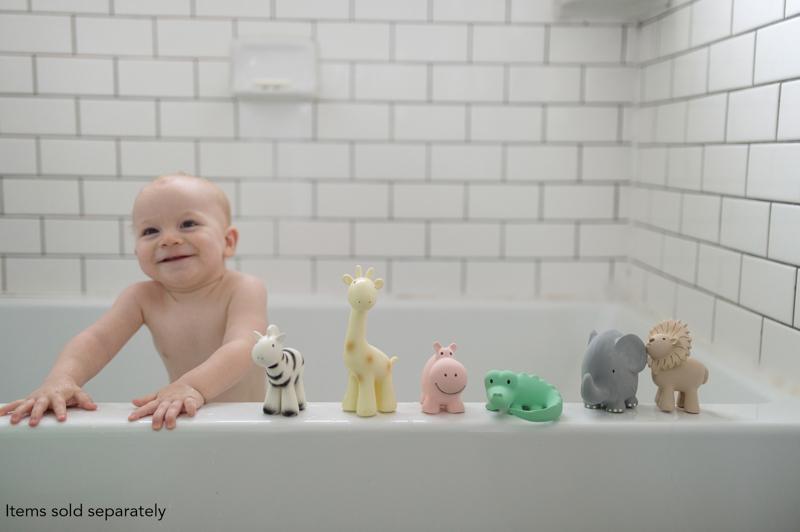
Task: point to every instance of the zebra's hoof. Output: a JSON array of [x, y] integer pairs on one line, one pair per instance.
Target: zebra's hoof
[[269, 411], [289, 413]]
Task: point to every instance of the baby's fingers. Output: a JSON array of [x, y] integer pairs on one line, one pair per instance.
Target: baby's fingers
[[7, 409], [173, 412], [59, 407], [39, 408], [84, 400], [145, 399], [22, 411], [191, 406], [143, 411], [158, 415]]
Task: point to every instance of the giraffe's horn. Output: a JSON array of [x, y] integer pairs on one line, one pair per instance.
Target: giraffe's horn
[[370, 271], [358, 270]]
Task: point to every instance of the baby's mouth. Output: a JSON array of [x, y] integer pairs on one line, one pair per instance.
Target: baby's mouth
[[175, 258]]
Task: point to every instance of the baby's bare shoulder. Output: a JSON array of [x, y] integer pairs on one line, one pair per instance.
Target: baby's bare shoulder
[[145, 291], [245, 283]]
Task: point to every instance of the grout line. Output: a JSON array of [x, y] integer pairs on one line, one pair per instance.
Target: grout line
[[3, 270], [547, 44], [34, 65], [81, 200], [42, 240], [118, 157], [794, 303], [82, 266], [392, 41], [73, 27], [38, 154], [463, 277], [761, 339], [778, 113], [470, 43], [78, 116], [276, 237], [154, 29]]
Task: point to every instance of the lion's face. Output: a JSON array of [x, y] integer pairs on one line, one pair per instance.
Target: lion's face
[[660, 346]]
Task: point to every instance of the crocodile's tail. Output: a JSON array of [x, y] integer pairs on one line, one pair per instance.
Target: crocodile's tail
[[551, 412]]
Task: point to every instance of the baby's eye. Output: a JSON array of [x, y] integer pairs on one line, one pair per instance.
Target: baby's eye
[[188, 223], [149, 231]]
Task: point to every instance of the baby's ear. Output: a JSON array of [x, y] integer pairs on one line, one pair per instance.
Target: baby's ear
[[378, 283], [231, 239]]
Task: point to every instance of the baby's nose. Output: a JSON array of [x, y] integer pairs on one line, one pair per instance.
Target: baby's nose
[[170, 239]]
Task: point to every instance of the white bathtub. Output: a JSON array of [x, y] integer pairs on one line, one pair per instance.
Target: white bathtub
[[734, 467]]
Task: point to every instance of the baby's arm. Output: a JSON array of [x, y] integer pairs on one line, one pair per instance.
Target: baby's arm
[[247, 312], [80, 360]]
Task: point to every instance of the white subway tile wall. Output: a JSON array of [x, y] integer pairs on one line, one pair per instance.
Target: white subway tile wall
[[719, 193], [479, 148]]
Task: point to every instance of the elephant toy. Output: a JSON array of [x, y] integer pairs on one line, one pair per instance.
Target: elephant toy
[[611, 369]]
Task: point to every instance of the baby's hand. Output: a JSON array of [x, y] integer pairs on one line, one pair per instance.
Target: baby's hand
[[167, 404], [54, 394]]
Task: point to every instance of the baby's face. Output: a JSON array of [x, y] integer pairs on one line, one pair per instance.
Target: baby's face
[[182, 238]]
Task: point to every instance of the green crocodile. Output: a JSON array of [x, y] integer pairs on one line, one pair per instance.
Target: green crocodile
[[522, 395]]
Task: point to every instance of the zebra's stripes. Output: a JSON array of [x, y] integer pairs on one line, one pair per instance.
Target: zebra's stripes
[[285, 370]]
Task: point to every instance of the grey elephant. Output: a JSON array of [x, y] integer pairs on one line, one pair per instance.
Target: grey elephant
[[611, 369]]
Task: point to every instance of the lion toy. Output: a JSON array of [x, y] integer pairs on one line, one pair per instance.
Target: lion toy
[[668, 354]]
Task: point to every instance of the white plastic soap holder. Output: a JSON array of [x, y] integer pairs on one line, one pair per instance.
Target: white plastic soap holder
[[274, 67]]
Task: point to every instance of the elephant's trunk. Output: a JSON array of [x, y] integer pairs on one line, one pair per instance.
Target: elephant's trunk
[[591, 393]]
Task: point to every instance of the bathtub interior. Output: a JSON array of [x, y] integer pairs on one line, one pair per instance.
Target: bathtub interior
[[546, 338]]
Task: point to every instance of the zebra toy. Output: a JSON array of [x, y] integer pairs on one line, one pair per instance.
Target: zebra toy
[[284, 365]]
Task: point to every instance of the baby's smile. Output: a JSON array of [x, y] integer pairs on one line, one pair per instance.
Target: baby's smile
[[174, 258]]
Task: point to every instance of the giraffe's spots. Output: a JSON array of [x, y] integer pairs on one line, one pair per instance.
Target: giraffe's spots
[[369, 359], [349, 346]]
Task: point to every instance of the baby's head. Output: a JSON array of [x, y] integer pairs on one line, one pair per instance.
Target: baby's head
[[183, 231]]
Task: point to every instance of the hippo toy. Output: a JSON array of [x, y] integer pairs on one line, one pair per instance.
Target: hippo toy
[[522, 395], [443, 380], [611, 369]]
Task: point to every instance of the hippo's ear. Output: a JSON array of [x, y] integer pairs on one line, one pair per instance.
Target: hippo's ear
[[453, 347], [591, 336], [632, 350], [437, 346]]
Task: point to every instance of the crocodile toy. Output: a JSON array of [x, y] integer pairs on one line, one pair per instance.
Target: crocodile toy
[[522, 395]]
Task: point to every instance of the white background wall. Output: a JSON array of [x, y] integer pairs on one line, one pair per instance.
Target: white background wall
[[715, 205], [475, 147]]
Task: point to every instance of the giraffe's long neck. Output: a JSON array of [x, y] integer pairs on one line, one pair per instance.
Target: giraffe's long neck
[[357, 327]]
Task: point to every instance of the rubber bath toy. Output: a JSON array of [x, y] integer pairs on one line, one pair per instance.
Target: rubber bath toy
[[284, 366], [443, 380], [610, 371], [669, 346], [522, 395], [369, 388]]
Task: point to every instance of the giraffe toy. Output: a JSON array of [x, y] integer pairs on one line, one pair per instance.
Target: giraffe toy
[[369, 388]]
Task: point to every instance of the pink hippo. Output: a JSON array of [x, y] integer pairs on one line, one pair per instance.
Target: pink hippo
[[443, 380]]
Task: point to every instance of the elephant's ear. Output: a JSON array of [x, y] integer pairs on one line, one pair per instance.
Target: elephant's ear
[[591, 336], [631, 349]]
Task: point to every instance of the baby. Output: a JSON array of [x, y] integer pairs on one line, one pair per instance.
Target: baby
[[201, 315]]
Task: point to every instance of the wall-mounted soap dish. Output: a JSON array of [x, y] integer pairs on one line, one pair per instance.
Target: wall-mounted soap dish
[[274, 67]]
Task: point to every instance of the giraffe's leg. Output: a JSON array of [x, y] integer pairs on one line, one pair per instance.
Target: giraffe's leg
[[366, 405], [351, 395], [386, 398]]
